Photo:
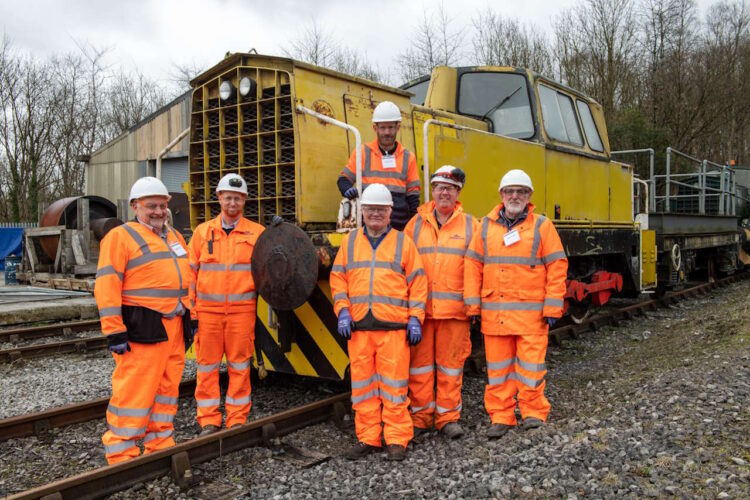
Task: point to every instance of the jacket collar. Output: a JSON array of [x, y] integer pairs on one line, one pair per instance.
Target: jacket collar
[[243, 225], [376, 149]]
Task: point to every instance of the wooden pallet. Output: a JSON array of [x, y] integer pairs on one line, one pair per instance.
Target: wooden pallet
[[56, 281]]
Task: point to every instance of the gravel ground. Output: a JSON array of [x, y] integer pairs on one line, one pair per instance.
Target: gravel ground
[[654, 407]]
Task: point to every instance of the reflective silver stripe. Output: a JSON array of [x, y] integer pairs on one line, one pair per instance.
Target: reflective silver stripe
[[512, 306], [499, 380], [207, 402], [442, 410], [156, 292], [117, 448], [236, 297], [157, 435], [485, 227], [420, 370], [240, 401], [399, 251], [208, 368], [394, 383], [550, 302], [379, 299], [413, 184], [368, 161], [146, 258], [410, 278], [415, 409], [110, 311], [469, 231], [554, 256], [405, 166], [453, 372], [364, 397], [537, 236], [338, 269], [450, 251], [128, 412], [107, 270], [211, 297], [361, 384], [513, 259], [392, 398], [417, 229], [499, 365], [446, 296], [166, 400], [425, 250], [474, 255], [127, 431], [380, 264], [339, 296], [350, 241], [138, 239], [212, 266], [472, 301], [240, 267], [526, 380], [244, 365], [416, 304], [194, 267], [161, 417], [532, 367]]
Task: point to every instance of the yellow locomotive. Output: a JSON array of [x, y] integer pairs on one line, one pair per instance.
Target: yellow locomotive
[[288, 128]]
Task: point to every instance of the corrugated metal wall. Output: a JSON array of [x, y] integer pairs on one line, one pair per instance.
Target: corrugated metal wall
[[174, 171]]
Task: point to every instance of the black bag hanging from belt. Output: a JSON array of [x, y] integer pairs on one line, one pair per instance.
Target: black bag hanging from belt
[[144, 325]]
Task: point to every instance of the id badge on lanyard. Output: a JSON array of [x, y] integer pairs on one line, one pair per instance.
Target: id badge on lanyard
[[177, 248], [389, 161], [511, 238]]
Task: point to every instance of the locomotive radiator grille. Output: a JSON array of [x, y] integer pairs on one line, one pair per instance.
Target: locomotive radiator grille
[[252, 136]]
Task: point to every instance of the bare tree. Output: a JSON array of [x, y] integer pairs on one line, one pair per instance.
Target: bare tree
[[130, 97]]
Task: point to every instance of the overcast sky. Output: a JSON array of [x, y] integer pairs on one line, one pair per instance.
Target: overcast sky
[[154, 35]]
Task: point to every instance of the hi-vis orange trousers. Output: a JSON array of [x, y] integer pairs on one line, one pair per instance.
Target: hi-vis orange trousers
[[515, 364], [233, 334], [445, 346], [380, 379], [145, 390]]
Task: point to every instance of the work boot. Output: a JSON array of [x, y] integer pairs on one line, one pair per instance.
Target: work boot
[[498, 430], [531, 423], [359, 450], [420, 431], [452, 430], [209, 429], [396, 452]]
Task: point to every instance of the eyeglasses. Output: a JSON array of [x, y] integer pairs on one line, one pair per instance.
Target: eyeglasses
[[514, 191], [154, 206], [438, 188], [376, 210]]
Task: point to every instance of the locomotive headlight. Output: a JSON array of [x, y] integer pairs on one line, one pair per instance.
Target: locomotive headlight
[[226, 90], [247, 85]]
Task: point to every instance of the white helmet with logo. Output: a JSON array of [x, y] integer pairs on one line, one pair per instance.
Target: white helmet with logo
[[377, 194], [148, 186], [386, 111], [232, 182], [516, 177]]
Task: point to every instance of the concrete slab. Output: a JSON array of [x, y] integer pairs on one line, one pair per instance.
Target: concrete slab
[[27, 308]]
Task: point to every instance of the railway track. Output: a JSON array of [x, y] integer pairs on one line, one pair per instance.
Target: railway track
[[51, 330]]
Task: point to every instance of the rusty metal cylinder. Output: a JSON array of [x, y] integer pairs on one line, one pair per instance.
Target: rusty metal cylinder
[[64, 212]]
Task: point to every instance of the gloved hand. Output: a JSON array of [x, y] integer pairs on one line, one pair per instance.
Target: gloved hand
[[120, 348], [351, 193], [189, 337], [476, 324], [551, 321], [345, 323], [276, 220], [414, 331]]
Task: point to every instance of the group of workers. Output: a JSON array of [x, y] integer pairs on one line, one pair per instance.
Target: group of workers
[[408, 289]]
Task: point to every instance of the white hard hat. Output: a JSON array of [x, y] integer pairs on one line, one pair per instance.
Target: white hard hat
[[448, 174], [148, 186], [232, 182], [377, 194], [386, 111], [516, 177]]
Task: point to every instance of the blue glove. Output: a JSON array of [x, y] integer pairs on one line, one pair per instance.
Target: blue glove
[[345, 323], [551, 321], [351, 193], [120, 348], [414, 331]]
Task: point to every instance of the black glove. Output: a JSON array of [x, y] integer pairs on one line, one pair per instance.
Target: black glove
[[476, 324], [189, 333]]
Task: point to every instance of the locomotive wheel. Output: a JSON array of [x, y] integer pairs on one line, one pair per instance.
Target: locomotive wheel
[[579, 311]]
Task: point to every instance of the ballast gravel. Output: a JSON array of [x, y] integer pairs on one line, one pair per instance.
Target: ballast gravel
[[655, 407]]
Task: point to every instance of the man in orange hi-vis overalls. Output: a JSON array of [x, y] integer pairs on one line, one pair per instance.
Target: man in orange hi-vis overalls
[[142, 294], [379, 292], [224, 297], [515, 269], [442, 233]]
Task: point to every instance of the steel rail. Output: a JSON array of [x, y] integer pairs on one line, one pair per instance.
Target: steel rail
[[51, 330], [43, 350], [180, 458]]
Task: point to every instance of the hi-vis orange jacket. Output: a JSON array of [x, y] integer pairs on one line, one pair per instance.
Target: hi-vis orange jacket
[[517, 285], [389, 281], [220, 267], [402, 178], [138, 268], [442, 252]]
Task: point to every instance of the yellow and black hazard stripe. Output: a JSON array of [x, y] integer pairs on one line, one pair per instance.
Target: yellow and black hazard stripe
[[316, 350]]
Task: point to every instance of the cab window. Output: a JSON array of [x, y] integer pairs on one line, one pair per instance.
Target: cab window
[[420, 92], [589, 126], [500, 97], [559, 116]]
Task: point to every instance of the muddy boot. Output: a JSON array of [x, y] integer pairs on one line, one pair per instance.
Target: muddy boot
[[498, 430], [452, 430], [531, 423], [209, 429], [359, 450], [396, 452]]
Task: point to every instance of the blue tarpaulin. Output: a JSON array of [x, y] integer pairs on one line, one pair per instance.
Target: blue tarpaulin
[[10, 243]]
